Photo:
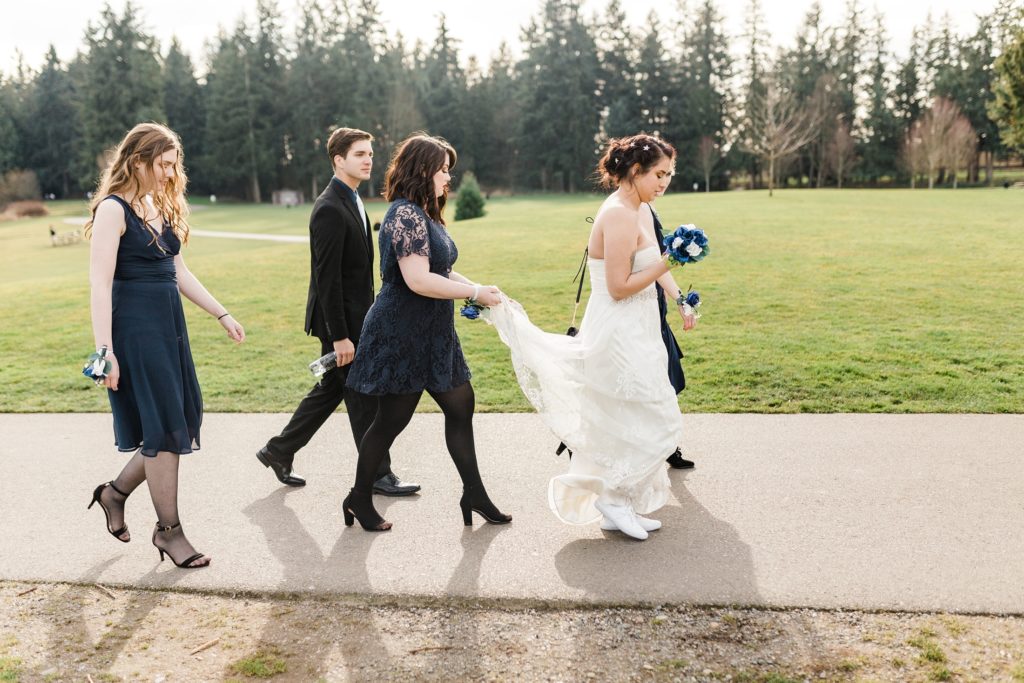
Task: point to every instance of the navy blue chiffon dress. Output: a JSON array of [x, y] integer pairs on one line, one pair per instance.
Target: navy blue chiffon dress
[[158, 405], [408, 342]]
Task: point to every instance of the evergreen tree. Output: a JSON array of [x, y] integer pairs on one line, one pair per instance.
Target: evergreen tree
[[118, 85], [883, 131], [470, 202], [495, 100], [310, 82], [618, 74], [245, 132], [561, 116], [360, 73], [443, 93], [660, 92], [710, 69], [908, 94], [185, 109], [52, 126], [1008, 106], [10, 140], [402, 114], [754, 89]]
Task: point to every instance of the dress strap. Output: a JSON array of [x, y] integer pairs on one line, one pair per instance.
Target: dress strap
[[129, 212]]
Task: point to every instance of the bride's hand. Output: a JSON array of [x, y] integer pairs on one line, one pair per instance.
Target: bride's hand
[[689, 319], [489, 295]]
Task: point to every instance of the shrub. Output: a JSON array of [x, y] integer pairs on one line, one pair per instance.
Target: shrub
[[26, 209], [17, 185], [470, 202]]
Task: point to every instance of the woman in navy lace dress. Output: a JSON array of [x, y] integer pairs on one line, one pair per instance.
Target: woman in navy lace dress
[[138, 275], [408, 343]]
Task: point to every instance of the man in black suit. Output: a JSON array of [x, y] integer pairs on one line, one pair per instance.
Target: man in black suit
[[340, 294]]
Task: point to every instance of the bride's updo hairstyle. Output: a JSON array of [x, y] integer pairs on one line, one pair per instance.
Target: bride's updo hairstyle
[[629, 157]]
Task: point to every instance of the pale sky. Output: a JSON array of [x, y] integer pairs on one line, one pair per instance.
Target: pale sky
[[480, 25]]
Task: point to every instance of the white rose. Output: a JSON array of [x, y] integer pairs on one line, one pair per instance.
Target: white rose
[[676, 242], [693, 249]]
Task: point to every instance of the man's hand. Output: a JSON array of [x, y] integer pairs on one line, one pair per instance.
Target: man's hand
[[345, 350]]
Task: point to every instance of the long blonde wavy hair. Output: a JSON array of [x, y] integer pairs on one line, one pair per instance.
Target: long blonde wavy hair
[[144, 144]]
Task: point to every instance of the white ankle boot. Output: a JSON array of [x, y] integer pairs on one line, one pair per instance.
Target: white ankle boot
[[645, 523], [621, 518]]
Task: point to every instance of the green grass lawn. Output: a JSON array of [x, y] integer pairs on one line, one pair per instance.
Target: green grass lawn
[[814, 301]]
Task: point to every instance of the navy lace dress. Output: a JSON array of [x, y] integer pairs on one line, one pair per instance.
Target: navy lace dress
[[158, 405], [408, 342]]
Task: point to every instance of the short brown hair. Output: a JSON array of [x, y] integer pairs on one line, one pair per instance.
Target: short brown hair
[[410, 174], [343, 138]]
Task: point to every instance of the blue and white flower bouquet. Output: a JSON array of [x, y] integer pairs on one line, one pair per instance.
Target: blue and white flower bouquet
[[688, 244]]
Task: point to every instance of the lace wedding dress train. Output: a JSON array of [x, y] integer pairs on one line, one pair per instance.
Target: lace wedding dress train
[[604, 393]]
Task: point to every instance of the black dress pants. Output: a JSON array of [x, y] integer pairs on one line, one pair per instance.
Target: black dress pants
[[318, 405]]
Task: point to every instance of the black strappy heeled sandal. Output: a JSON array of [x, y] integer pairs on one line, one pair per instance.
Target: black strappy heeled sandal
[[187, 562], [116, 533]]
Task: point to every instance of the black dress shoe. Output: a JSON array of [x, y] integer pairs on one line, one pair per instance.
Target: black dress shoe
[[282, 471], [391, 485], [677, 461]]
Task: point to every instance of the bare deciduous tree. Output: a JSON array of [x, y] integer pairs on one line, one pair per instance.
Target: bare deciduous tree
[[934, 130], [841, 151], [779, 127], [708, 155], [912, 155], [961, 146]]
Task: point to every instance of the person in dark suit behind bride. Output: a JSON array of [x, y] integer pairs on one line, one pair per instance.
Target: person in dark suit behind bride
[[340, 294]]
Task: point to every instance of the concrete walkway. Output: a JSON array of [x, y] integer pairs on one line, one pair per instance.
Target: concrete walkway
[[915, 512]]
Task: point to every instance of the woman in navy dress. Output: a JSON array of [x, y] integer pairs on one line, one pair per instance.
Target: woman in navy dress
[[138, 276], [408, 343], [668, 289]]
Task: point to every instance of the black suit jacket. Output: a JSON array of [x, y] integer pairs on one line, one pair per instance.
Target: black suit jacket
[[341, 267]]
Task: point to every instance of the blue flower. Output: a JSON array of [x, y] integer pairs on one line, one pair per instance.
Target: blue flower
[[470, 311], [693, 299]]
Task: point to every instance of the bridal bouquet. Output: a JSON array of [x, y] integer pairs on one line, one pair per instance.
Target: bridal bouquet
[[688, 244]]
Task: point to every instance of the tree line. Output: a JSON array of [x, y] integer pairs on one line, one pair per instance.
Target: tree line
[[837, 106]]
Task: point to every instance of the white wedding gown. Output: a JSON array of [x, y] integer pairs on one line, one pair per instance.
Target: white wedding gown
[[605, 393]]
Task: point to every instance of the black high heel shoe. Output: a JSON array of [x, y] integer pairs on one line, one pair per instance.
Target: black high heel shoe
[[359, 506], [476, 500], [184, 564], [116, 533]]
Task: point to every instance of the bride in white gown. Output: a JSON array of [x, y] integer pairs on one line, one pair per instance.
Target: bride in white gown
[[605, 392]]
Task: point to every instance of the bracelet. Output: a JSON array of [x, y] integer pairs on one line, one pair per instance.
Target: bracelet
[[476, 293], [221, 316], [681, 299], [102, 351]]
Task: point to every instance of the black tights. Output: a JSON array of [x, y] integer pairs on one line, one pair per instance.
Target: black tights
[[394, 411]]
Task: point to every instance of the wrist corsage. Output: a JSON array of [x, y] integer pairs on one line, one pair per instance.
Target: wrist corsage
[[471, 309], [689, 302], [97, 366], [688, 244]]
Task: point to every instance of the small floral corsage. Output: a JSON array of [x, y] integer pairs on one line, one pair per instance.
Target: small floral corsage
[[97, 366], [471, 309], [689, 301]]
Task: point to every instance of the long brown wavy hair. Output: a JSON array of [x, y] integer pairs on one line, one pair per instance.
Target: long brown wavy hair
[[410, 174], [144, 144]]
